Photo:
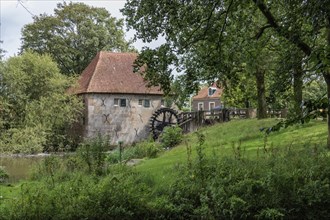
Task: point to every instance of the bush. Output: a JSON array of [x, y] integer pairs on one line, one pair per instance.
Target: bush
[[286, 185], [119, 195], [149, 149], [27, 140], [171, 136], [37, 108], [92, 153], [294, 185], [3, 175]]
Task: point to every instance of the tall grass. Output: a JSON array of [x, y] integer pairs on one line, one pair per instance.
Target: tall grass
[[243, 136], [196, 180]]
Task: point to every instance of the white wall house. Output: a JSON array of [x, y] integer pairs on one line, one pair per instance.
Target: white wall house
[[117, 101]]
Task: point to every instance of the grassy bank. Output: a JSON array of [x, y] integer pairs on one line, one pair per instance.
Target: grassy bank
[[225, 171], [241, 138]]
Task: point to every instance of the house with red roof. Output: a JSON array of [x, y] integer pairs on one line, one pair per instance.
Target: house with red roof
[[208, 98], [117, 102]]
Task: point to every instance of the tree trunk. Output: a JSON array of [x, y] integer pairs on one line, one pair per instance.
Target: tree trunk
[[297, 90], [261, 91], [327, 80], [301, 45]]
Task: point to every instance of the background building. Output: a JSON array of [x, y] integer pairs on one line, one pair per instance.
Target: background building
[[208, 98]]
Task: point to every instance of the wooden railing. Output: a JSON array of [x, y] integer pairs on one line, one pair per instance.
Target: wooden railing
[[190, 121]]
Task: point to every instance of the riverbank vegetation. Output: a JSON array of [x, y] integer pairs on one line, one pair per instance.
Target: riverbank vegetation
[[238, 175], [35, 109]]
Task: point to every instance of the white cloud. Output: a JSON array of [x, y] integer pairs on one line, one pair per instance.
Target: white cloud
[[15, 15]]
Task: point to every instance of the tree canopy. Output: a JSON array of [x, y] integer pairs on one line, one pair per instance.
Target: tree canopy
[[74, 34], [225, 39], [35, 108]]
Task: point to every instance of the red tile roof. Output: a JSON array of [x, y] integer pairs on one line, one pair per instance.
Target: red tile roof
[[112, 72], [204, 93]]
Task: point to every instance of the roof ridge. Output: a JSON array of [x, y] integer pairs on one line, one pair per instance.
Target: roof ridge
[[113, 52], [97, 57]]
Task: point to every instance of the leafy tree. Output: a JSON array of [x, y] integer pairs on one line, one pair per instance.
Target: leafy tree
[[73, 35], [314, 41], [200, 31], [193, 31], [180, 92], [2, 52], [315, 89], [35, 107], [206, 39]]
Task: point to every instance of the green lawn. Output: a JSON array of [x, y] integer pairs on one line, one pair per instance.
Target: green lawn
[[222, 139]]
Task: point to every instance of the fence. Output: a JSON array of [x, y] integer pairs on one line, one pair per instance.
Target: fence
[[191, 121]]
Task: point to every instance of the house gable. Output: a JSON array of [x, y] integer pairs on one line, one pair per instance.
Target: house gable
[[207, 98]]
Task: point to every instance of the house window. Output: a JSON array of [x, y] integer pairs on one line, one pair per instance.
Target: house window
[[122, 102], [200, 106], [162, 102], [211, 105], [212, 91], [140, 101], [146, 103], [116, 102]]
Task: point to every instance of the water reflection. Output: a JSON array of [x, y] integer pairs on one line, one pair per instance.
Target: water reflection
[[18, 168]]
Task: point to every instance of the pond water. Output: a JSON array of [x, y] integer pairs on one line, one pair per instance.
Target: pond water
[[17, 167]]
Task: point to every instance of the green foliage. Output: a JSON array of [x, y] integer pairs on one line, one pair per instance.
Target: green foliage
[[281, 183], [232, 41], [25, 140], [36, 108], [2, 52], [270, 187], [240, 91], [82, 197], [144, 149], [171, 136], [73, 35], [3, 175], [92, 152], [312, 109]]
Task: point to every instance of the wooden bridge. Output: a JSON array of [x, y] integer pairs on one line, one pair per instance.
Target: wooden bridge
[[191, 121]]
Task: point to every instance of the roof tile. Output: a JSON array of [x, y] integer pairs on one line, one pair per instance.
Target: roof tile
[[112, 72], [204, 93]]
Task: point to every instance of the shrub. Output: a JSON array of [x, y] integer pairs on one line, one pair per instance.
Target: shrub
[[3, 175], [291, 185], [27, 140], [92, 153], [148, 148], [120, 195], [171, 136]]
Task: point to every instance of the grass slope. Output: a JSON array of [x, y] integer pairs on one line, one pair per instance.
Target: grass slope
[[233, 138]]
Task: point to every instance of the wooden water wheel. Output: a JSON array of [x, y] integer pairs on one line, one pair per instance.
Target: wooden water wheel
[[162, 118]]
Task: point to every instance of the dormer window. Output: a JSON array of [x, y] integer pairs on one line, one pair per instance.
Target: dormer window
[[212, 91]]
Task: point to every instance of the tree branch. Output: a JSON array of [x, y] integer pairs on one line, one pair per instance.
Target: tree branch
[[189, 41], [224, 24], [280, 30], [261, 31]]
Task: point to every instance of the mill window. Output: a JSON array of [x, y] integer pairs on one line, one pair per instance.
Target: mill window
[[122, 102], [146, 103]]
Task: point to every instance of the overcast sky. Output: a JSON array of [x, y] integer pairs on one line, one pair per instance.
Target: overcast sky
[[15, 14]]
